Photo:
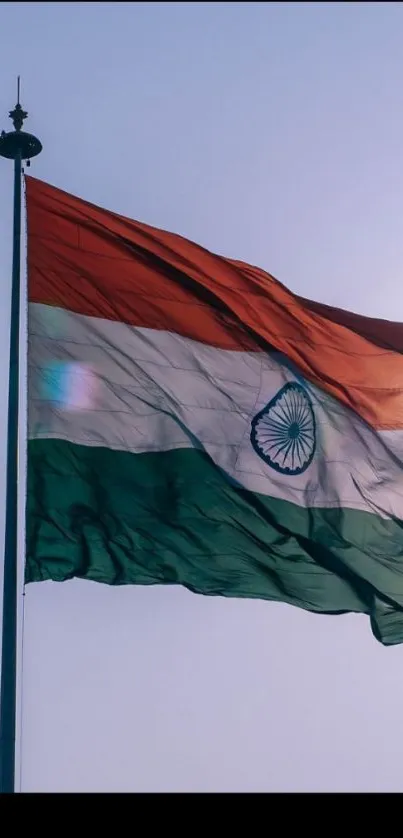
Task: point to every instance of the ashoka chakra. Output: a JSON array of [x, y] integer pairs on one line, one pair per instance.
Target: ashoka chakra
[[284, 432]]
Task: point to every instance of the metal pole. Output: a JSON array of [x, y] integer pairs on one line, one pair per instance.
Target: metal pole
[[9, 634], [16, 145]]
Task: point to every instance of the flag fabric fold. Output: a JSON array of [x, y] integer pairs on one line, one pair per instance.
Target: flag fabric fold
[[191, 421]]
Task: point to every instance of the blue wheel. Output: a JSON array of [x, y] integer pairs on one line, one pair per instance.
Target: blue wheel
[[284, 433]]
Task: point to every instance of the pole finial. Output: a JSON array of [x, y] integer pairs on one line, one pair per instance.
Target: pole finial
[[18, 114], [18, 142]]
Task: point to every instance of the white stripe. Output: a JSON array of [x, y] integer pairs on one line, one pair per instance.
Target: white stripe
[[143, 390]]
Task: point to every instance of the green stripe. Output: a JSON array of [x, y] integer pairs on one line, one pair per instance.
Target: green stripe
[[174, 518]]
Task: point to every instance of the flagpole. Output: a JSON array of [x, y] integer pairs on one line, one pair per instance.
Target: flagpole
[[15, 145]]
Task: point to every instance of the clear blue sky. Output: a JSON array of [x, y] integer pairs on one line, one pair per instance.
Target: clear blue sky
[[270, 132]]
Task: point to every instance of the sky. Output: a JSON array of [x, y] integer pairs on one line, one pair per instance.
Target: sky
[[271, 133]]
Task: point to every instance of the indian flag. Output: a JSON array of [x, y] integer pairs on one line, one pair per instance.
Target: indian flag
[[193, 422]]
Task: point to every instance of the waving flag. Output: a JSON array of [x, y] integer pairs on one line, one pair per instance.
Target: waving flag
[[193, 422]]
